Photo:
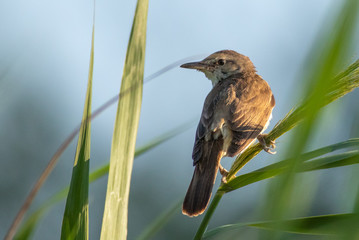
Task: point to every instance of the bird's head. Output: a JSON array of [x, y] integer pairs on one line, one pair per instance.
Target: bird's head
[[223, 64]]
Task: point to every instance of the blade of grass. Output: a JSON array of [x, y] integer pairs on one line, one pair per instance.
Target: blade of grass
[[338, 160], [262, 174], [318, 83], [345, 82], [322, 225], [351, 231], [68, 140], [270, 170], [338, 87], [31, 222], [333, 161], [164, 137], [160, 221], [314, 225], [114, 223], [75, 222], [149, 78], [101, 171], [240, 181], [27, 229]]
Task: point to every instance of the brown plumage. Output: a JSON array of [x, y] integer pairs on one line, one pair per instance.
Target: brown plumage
[[200, 189], [236, 111]]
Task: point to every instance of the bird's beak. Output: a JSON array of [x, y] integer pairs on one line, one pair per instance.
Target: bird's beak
[[201, 66]]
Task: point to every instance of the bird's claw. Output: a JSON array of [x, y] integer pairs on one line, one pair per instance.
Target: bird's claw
[[224, 174], [268, 147]]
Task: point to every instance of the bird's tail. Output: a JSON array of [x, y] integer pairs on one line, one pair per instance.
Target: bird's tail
[[200, 190]]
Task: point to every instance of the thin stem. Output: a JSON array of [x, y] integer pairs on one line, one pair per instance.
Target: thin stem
[[202, 228]]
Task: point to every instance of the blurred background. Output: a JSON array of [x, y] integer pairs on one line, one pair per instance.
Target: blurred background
[[44, 60]]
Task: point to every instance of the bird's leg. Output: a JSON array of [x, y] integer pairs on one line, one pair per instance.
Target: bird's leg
[[264, 142], [224, 173]]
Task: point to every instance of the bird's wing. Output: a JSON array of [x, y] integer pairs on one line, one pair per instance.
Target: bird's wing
[[245, 113], [249, 115], [207, 125]]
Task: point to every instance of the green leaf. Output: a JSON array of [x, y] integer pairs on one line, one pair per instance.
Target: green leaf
[[314, 225], [329, 51], [160, 221], [75, 222], [325, 224], [322, 88], [279, 167], [28, 227], [26, 231], [344, 82], [65, 144], [164, 137], [337, 160], [114, 224], [103, 170]]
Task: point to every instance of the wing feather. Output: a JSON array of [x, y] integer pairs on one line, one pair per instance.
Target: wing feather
[[245, 110]]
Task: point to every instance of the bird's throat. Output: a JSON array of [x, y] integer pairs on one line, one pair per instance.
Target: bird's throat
[[211, 76]]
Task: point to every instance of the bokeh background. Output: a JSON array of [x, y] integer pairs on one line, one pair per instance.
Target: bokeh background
[[44, 58]]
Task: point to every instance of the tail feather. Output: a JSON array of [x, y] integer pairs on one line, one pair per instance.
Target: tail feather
[[200, 189]]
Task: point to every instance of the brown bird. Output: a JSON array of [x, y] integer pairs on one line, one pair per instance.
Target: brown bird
[[235, 113]]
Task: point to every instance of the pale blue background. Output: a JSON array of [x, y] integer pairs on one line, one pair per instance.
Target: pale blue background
[[44, 58]]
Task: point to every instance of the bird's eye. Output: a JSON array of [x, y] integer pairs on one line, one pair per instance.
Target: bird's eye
[[221, 62]]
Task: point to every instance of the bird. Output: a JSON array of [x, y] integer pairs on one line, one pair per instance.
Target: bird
[[235, 113]]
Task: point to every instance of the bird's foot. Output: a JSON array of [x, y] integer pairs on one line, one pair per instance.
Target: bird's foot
[[224, 174], [267, 145]]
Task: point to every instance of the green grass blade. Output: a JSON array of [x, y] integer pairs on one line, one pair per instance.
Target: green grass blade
[[277, 169], [352, 230], [345, 82], [160, 221], [323, 89], [75, 224], [68, 140], [337, 160], [29, 225], [319, 82], [114, 224], [325, 224], [314, 225], [164, 137], [103, 170], [27, 229]]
